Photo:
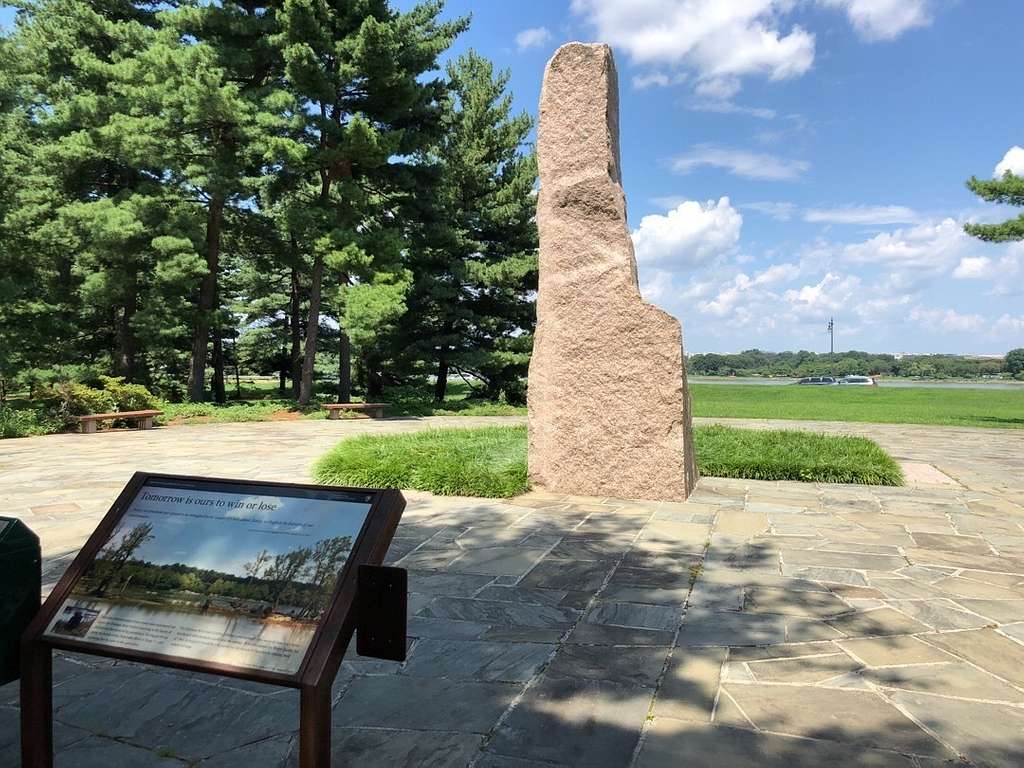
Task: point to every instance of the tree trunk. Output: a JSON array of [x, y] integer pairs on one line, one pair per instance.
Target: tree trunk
[[207, 299], [238, 375], [374, 378], [295, 326], [312, 328], [124, 363], [441, 385], [344, 368], [217, 381]]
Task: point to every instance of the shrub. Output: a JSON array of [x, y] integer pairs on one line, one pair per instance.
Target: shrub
[[64, 401], [128, 397], [19, 423]]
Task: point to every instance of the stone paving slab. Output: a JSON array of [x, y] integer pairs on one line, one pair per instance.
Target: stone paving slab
[[758, 624]]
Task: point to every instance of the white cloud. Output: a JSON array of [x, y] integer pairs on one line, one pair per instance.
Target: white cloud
[[1005, 273], [723, 41], [725, 107], [740, 162], [532, 38], [883, 19], [656, 285], [747, 301], [777, 273], [1013, 161], [720, 41], [718, 88], [778, 211], [862, 214], [973, 268], [690, 234], [640, 82], [923, 247], [1009, 324], [946, 320], [659, 79], [831, 293]]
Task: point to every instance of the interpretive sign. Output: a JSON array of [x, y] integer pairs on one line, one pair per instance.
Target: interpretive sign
[[262, 581]]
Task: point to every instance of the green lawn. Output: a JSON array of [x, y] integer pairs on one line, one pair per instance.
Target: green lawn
[[892, 405], [485, 461], [792, 455], [491, 461]]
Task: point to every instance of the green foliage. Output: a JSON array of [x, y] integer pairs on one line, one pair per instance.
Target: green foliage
[[894, 405], [25, 423], [195, 185], [128, 397], [792, 455], [755, 362], [68, 399], [250, 410], [1009, 190], [473, 255], [491, 461], [1013, 363]]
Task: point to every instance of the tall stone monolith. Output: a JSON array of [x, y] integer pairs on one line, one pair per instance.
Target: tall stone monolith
[[609, 411]]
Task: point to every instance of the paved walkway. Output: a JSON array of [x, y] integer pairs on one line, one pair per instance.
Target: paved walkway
[[758, 624]]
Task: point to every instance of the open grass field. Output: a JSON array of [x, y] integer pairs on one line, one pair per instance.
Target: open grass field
[[945, 407], [491, 461]]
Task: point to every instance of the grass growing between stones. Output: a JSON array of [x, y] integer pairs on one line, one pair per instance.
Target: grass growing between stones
[[491, 461]]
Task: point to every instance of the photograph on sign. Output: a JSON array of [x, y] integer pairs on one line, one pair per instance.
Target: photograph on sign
[[216, 572]]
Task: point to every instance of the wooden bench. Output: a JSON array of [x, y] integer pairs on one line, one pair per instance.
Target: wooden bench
[[144, 419], [369, 410]]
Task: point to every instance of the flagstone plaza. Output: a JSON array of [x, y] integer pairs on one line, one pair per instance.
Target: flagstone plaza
[[756, 624]]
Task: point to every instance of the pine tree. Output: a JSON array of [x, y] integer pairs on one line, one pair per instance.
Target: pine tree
[[475, 261], [107, 255], [206, 100], [1009, 190], [362, 111]]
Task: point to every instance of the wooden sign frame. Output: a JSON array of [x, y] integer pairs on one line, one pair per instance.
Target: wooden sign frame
[[323, 656]]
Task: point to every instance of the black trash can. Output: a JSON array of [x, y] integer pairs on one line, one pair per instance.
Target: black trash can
[[20, 590]]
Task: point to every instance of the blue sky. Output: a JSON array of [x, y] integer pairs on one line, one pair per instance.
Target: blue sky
[[785, 161], [789, 160]]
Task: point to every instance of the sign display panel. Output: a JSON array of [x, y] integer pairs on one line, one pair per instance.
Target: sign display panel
[[216, 572]]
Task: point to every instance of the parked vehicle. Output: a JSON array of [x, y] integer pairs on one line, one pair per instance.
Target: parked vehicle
[[818, 380], [859, 381]]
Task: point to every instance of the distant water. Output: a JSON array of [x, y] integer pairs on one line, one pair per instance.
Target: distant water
[[906, 383]]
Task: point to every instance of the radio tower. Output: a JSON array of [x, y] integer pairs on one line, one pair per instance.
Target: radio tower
[[832, 337]]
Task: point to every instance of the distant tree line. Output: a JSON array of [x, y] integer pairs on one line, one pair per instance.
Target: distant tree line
[[188, 187], [755, 362]]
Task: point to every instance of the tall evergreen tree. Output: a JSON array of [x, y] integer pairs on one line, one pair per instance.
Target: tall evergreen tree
[[108, 257], [363, 109], [475, 262], [206, 99]]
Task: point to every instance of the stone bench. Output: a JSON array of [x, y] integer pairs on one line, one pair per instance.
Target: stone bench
[[144, 419], [369, 410]]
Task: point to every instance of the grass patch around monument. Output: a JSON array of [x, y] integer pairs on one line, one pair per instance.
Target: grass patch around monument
[[484, 461], [792, 455], [491, 461], [882, 405]]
